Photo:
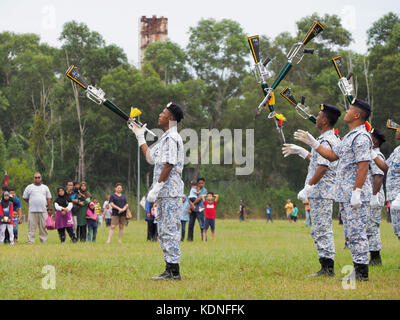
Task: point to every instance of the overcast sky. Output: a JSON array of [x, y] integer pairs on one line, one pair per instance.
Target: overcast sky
[[118, 20]]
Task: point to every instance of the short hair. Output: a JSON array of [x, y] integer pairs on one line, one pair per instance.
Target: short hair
[[11, 189], [332, 119], [118, 184], [201, 179], [212, 193], [69, 182], [193, 183]]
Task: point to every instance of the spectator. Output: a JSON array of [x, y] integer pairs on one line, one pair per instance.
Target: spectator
[[91, 217], [388, 216], [196, 193], [289, 209], [307, 210], [84, 198], [17, 215], [154, 213], [119, 205], [107, 210], [184, 216], [242, 210], [98, 212], [72, 191], [6, 216], [64, 220], [38, 196], [151, 226], [294, 214], [269, 213], [209, 209]]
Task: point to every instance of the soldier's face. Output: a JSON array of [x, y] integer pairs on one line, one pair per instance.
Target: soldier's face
[[375, 141], [351, 114], [320, 120], [164, 118]]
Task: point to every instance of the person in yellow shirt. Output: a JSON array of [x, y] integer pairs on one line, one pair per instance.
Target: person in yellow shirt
[[307, 209], [289, 209], [98, 211]]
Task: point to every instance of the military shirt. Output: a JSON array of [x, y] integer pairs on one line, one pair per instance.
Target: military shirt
[[355, 147], [169, 149], [374, 170], [393, 175], [324, 189]]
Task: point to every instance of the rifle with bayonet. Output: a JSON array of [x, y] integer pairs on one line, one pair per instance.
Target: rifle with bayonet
[[344, 85], [261, 74], [98, 96], [294, 56], [301, 109]]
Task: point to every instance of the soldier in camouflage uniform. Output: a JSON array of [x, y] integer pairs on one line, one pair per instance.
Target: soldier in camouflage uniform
[[319, 186], [392, 168], [376, 176], [167, 189], [352, 189]]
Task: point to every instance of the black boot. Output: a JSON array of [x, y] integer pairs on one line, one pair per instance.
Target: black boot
[[327, 268], [171, 272], [361, 271], [175, 271], [375, 258]]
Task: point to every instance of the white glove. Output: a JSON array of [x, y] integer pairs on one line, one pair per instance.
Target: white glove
[[289, 149], [152, 196], [307, 138], [303, 194], [356, 198], [396, 203], [375, 203], [139, 132]]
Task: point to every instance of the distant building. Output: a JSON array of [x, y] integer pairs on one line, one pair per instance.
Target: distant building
[[151, 30]]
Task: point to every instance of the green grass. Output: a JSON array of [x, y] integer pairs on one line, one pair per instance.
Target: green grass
[[249, 260]]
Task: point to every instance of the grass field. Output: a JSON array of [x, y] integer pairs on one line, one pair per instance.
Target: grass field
[[249, 260]]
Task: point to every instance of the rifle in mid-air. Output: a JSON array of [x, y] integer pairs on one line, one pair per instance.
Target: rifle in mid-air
[[392, 125], [301, 109], [345, 86], [261, 74], [294, 56], [98, 96]]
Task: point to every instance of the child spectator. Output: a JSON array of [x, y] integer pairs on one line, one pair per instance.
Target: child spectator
[[269, 213], [98, 212], [6, 216], [209, 210], [16, 216], [294, 213], [107, 210], [64, 220], [151, 226], [185, 215], [91, 217], [289, 210], [154, 213]]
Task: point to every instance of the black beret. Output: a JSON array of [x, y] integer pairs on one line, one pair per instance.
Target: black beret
[[378, 134], [332, 110], [176, 111], [361, 104]]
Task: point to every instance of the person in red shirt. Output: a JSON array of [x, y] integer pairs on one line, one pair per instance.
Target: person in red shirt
[[209, 210]]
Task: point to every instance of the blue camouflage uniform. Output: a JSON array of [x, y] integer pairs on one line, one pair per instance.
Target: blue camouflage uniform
[[170, 150], [374, 221], [321, 198], [393, 187], [356, 147]]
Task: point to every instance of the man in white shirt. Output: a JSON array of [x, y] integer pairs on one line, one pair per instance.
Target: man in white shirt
[[38, 197]]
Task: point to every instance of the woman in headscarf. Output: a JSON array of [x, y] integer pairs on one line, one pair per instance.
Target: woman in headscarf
[[64, 220], [84, 200]]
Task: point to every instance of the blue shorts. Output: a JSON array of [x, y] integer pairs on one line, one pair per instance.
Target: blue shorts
[[209, 223]]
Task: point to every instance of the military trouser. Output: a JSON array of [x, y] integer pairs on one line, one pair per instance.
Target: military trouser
[[169, 226], [395, 215], [321, 227], [373, 233], [355, 230]]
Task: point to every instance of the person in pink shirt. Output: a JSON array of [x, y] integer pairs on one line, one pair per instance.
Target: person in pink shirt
[[209, 210], [91, 217]]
